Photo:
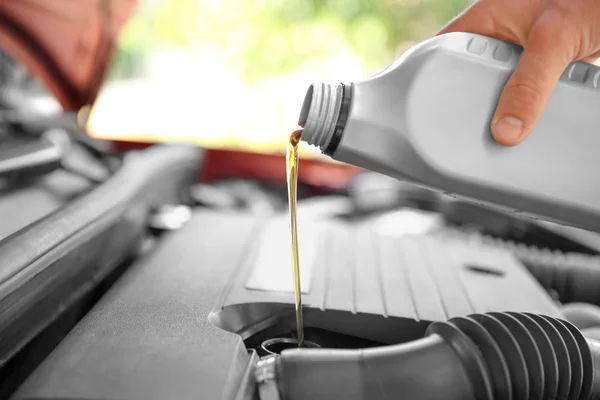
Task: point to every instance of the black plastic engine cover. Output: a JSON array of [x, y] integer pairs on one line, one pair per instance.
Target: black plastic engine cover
[[174, 326]]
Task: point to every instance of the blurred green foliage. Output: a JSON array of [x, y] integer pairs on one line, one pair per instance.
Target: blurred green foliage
[[270, 37]]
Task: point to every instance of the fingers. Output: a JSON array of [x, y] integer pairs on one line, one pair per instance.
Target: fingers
[[528, 90], [547, 36], [489, 18]]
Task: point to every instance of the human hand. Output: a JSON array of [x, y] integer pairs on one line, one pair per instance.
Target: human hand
[[553, 33]]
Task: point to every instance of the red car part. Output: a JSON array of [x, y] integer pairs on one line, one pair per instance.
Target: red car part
[[66, 43]]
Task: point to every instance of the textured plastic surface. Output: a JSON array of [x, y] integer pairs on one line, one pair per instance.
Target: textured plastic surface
[[48, 265], [149, 337], [354, 276], [426, 120]]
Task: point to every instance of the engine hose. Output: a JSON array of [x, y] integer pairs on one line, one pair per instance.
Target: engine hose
[[503, 356], [574, 277], [583, 315]]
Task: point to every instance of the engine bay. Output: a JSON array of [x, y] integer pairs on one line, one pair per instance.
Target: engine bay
[[138, 275], [201, 311]]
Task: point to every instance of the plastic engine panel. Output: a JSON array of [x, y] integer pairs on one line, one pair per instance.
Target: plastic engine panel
[[180, 322]]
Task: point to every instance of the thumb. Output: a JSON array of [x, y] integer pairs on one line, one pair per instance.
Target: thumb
[[528, 90]]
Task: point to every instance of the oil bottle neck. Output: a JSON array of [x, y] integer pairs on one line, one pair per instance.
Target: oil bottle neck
[[324, 114]]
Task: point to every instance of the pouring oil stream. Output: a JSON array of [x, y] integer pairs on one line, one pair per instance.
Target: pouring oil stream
[[292, 184]]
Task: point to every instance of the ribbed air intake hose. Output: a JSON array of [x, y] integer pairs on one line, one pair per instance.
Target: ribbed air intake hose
[[529, 356], [502, 356]]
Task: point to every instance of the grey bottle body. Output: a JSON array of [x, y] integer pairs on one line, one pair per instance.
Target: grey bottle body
[[426, 119]]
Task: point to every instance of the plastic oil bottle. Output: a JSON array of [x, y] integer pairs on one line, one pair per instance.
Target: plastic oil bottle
[[426, 119]]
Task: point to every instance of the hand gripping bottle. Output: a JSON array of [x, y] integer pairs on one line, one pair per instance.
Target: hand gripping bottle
[[426, 118]]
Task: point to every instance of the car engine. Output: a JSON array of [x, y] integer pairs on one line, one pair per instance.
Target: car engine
[[405, 293]]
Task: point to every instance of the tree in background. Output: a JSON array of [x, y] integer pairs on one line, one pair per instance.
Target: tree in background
[[273, 37]]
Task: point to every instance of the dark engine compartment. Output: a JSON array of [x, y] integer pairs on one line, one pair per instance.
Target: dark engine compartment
[[189, 314]]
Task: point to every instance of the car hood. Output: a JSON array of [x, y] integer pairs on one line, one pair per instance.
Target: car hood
[[68, 44]]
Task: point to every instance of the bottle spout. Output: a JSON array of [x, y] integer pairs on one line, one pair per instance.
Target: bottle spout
[[323, 115]]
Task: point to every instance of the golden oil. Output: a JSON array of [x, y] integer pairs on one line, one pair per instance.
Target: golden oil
[[292, 185]]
